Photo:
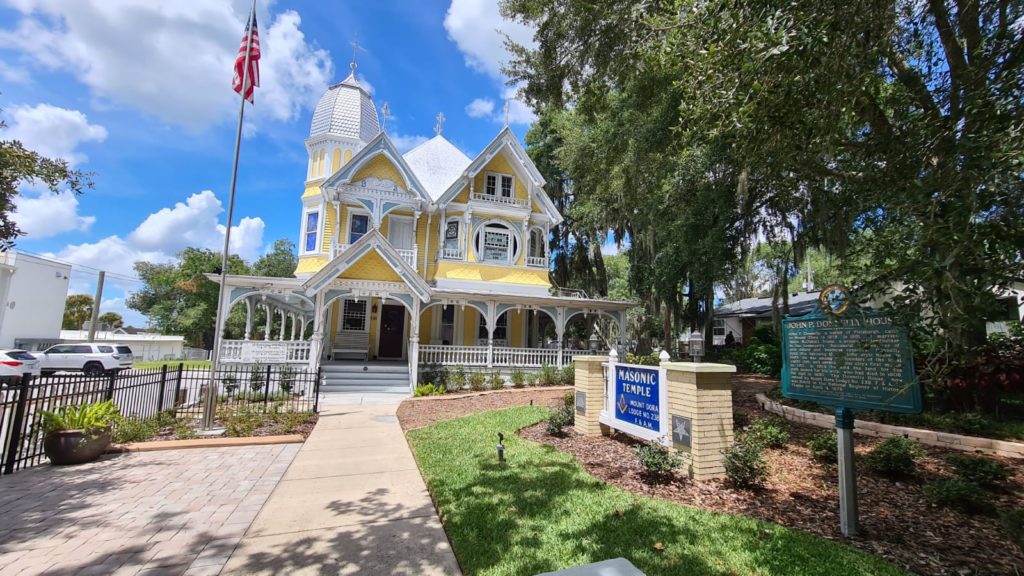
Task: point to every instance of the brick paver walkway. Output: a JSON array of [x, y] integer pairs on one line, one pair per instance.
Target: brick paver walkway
[[173, 512]]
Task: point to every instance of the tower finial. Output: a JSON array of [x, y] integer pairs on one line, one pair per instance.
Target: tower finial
[[385, 113], [353, 65], [505, 108], [440, 123]]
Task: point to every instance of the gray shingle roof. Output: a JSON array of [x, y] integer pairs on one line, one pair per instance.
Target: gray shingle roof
[[346, 109], [799, 304]]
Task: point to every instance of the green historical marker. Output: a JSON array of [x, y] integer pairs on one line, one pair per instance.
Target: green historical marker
[[848, 359]]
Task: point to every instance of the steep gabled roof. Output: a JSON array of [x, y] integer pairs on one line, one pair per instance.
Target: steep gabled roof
[[505, 140], [437, 163], [381, 145], [371, 241]]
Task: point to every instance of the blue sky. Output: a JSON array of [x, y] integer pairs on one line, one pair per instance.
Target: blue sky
[[138, 92]]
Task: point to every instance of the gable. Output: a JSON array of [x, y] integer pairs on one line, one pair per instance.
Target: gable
[[378, 159], [371, 267], [381, 167]]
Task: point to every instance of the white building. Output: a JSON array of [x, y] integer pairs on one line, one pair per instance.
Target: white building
[[32, 294], [145, 347]]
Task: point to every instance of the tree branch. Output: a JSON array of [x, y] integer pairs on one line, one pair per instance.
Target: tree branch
[[912, 81], [954, 53]]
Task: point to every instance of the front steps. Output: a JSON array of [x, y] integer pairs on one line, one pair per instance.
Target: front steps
[[359, 376]]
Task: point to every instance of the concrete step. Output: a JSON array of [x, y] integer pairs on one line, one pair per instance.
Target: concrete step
[[368, 368], [403, 390], [367, 376]]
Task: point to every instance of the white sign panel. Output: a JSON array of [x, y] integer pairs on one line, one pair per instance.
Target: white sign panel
[[636, 401], [264, 352]]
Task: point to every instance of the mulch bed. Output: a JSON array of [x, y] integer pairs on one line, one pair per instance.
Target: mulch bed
[[429, 410], [897, 521], [266, 429]]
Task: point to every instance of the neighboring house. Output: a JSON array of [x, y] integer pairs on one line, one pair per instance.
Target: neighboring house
[[145, 347], [430, 257], [743, 316], [32, 294]]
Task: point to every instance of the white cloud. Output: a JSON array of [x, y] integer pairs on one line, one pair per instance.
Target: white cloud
[[166, 232], [405, 142], [477, 28], [518, 112], [52, 131], [171, 59], [480, 107], [365, 84], [13, 74], [49, 214]]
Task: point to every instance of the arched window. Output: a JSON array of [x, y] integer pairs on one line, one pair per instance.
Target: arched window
[[500, 329], [496, 242]]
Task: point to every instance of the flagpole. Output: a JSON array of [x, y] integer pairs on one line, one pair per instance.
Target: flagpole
[[209, 407]]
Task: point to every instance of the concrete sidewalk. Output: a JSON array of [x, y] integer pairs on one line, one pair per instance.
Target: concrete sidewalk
[[352, 502]]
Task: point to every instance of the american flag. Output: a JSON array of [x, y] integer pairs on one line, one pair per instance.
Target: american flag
[[254, 62]]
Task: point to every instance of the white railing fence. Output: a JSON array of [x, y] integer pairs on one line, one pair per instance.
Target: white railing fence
[[537, 261], [265, 351], [453, 355], [497, 198], [407, 255], [451, 254], [501, 356]]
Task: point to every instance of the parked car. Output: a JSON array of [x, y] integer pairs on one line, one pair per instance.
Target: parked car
[[14, 364], [92, 358]]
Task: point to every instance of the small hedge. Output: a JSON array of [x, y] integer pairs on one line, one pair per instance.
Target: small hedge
[[824, 446], [896, 457], [960, 495], [745, 465], [981, 471], [656, 459], [770, 432]]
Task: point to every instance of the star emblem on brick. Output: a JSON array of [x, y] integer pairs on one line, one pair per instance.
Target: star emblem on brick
[[682, 429]]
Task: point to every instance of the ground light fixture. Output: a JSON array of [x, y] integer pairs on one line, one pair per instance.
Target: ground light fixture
[[501, 447], [696, 346]]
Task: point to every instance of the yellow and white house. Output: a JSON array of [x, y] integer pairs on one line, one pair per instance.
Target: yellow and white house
[[408, 260]]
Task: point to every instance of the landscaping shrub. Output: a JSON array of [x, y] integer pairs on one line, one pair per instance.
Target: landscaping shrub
[[548, 375], [560, 418], [185, 432], [241, 422], [823, 446], [568, 375], [895, 457], [256, 378], [644, 359], [230, 384], [86, 417], [744, 463], [531, 379], [286, 379], [981, 471], [456, 378], [1013, 525], [765, 334], [960, 495], [495, 381], [126, 431], [518, 378], [740, 420], [477, 381], [436, 374], [759, 358], [656, 459], [770, 432], [428, 389]]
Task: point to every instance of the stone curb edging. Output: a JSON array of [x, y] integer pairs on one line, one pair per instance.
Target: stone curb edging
[[929, 437], [205, 443], [485, 393]]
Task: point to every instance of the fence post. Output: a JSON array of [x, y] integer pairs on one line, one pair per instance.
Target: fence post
[[316, 391], [14, 441], [163, 389], [177, 387], [111, 385], [266, 389]]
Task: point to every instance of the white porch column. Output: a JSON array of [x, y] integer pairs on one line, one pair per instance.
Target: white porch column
[[284, 320], [316, 340], [560, 333], [270, 318], [302, 327], [248, 318], [465, 242], [414, 346], [525, 239], [621, 321], [440, 237], [490, 321]]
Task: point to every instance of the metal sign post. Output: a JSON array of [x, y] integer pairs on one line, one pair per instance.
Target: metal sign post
[[847, 473]]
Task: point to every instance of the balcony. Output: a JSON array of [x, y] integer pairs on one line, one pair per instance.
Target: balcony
[[501, 200], [452, 254], [407, 255], [537, 261]]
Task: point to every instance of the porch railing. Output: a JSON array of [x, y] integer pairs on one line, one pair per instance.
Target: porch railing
[[537, 261], [265, 351], [452, 254], [501, 356], [498, 199]]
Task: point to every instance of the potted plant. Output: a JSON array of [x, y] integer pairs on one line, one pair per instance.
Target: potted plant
[[77, 434]]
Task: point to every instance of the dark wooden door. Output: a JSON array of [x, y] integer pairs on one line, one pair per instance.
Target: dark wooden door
[[392, 327]]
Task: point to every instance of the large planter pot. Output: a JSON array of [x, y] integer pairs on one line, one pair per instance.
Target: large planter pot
[[75, 446]]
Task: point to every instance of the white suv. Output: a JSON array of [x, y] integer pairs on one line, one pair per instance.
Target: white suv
[[94, 359]]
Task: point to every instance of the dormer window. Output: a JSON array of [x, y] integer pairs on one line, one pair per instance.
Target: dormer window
[[498, 184]]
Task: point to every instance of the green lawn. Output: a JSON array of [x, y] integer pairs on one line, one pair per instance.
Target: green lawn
[[173, 364], [541, 511]]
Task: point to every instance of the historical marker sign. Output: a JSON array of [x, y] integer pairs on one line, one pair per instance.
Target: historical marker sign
[[637, 401], [858, 360]]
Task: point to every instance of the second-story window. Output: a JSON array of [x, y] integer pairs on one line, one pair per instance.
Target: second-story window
[[312, 226], [358, 225], [536, 243], [496, 243], [506, 186], [451, 239]]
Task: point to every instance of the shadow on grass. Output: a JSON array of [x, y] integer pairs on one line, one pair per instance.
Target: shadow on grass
[[541, 511]]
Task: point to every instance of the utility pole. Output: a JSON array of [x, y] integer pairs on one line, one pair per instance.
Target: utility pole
[[96, 306]]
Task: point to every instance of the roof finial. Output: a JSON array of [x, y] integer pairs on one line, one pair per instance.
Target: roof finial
[[440, 123], [353, 65], [385, 113], [505, 108]]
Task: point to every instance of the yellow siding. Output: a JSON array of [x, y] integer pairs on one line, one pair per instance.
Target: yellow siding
[[374, 303], [499, 165], [310, 264], [312, 189], [335, 319], [426, 323], [329, 217], [463, 196], [515, 327], [471, 323], [379, 167], [371, 267], [489, 273]]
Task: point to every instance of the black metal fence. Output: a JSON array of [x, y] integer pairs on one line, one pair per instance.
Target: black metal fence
[[141, 394]]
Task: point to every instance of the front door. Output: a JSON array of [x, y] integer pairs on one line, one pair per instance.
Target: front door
[[392, 328]]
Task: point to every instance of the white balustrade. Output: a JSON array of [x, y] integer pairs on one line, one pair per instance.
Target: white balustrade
[[264, 351], [537, 261], [502, 356], [498, 199], [407, 255], [453, 355], [451, 254]]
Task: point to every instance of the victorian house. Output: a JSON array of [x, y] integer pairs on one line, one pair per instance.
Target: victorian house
[[409, 260]]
